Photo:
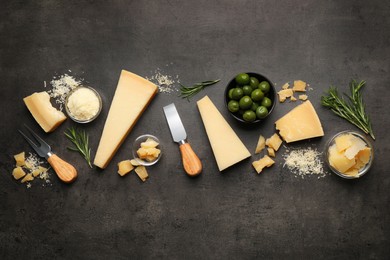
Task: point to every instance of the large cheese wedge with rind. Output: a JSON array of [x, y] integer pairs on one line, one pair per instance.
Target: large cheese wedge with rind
[[47, 116], [227, 147], [300, 123], [132, 96]]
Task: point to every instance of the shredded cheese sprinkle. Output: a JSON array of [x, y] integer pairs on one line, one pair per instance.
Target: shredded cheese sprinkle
[[61, 86], [165, 83], [304, 162]]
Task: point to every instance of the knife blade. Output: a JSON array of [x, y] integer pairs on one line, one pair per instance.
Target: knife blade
[[191, 162]]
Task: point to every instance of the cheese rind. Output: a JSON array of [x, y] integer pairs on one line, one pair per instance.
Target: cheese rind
[[132, 96], [48, 117], [227, 147], [300, 123]]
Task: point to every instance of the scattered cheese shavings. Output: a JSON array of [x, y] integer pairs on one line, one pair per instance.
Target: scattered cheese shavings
[[61, 86], [165, 83], [304, 162]]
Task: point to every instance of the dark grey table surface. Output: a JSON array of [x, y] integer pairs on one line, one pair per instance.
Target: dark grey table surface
[[235, 214]]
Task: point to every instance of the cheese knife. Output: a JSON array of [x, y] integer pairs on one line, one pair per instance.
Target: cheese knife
[[64, 170], [191, 162]]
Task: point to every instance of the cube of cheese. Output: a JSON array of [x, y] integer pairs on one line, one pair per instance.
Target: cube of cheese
[[20, 159], [274, 142], [48, 117], [124, 167], [299, 85], [259, 165], [18, 173], [260, 144], [285, 93], [300, 123], [141, 172]]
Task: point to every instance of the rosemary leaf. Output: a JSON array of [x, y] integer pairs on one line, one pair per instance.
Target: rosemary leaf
[[80, 140], [351, 109], [188, 92]]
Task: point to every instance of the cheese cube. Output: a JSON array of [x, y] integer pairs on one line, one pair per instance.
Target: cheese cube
[[260, 144], [124, 167], [141, 172], [271, 152], [274, 142], [43, 112], [259, 165], [18, 173], [299, 85], [300, 123], [20, 159], [285, 93]]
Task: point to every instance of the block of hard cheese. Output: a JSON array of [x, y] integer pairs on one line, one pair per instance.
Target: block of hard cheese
[[300, 123], [132, 96], [226, 145], [47, 116]]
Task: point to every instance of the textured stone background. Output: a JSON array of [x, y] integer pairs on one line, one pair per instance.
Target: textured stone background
[[236, 214]]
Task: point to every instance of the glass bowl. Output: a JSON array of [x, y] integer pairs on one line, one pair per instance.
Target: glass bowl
[[82, 106], [137, 145], [362, 170]]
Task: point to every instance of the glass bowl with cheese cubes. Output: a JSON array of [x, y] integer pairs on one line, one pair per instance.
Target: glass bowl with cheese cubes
[[147, 150], [349, 154], [250, 97]]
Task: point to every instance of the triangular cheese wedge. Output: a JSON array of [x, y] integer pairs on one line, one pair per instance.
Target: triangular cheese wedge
[[226, 145], [300, 123], [132, 96]]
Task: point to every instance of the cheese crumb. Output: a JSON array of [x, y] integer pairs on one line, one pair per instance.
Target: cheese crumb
[[304, 162]]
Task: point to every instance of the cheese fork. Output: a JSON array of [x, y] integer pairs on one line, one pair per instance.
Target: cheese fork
[[64, 170]]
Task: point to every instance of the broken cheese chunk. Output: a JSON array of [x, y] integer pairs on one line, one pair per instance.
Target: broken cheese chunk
[[18, 173], [20, 159], [300, 123], [141, 172], [124, 167], [43, 112], [274, 142], [299, 85], [259, 165], [260, 144], [284, 94]]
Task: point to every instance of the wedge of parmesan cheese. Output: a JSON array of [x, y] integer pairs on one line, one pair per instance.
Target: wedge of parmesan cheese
[[132, 96], [227, 147], [48, 117], [300, 123]]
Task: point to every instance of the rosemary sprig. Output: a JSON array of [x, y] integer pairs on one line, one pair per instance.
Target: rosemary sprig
[[80, 140], [352, 109], [188, 92]]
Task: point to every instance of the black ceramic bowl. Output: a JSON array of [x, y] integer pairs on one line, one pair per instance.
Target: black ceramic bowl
[[271, 95]]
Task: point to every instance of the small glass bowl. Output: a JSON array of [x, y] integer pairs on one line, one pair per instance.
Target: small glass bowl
[[363, 170], [78, 120], [137, 145]]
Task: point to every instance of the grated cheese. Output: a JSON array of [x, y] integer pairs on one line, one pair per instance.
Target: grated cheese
[[165, 83], [61, 86], [304, 162]]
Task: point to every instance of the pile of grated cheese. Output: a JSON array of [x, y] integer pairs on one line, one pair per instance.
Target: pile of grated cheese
[[304, 162], [61, 86], [165, 83]]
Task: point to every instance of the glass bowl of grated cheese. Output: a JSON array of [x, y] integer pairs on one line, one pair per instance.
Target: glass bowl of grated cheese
[[349, 154], [83, 104]]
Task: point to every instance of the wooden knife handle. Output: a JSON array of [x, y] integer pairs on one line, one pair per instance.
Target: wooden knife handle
[[65, 171], [192, 164]]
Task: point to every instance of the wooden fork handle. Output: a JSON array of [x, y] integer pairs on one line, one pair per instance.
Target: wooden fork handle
[[191, 162], [64, 170]]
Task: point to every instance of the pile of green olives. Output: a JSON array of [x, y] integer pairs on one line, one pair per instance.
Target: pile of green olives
[[249, 99]]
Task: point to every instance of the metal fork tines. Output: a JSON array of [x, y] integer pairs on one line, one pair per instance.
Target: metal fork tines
[[40, 146]]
